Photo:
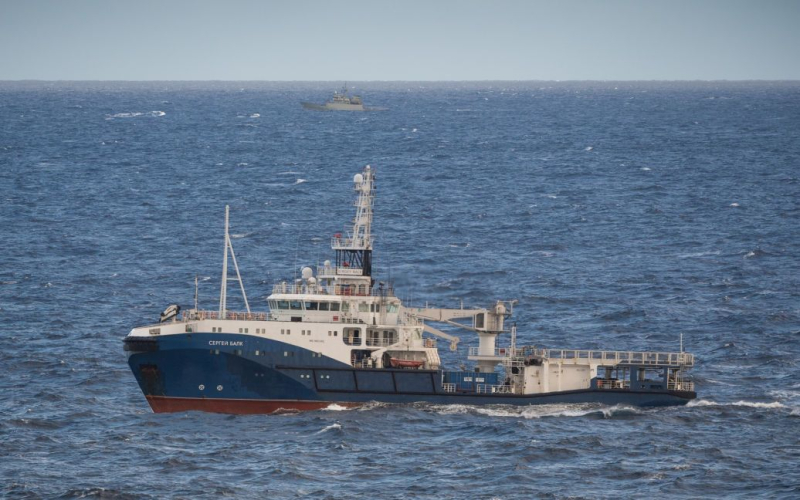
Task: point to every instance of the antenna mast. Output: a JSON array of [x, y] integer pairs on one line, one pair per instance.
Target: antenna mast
[[223, 294], [355, 250]]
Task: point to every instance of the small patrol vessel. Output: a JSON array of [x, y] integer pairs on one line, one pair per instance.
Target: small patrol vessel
[[336, 336], [340, 101]]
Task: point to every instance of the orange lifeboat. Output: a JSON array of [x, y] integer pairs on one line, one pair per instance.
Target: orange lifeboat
[[405, 363]]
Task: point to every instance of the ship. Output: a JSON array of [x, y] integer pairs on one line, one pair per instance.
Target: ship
[[341, 101], [335, 335]]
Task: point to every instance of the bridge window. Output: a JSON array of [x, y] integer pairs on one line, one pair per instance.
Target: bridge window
[[334, 306], [311, 306], [362, 307], [381, 338], [283, 304], [296, 305], [323, 306], [352, 336]]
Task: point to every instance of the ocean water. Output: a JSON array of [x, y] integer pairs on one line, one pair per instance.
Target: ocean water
[[620, 215]]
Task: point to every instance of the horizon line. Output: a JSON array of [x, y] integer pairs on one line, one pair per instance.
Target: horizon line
[[406, 81]]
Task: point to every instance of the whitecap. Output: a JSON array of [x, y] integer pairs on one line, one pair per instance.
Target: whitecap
[[698, 254], [588, 148], [135, 114], [299, 181], [414, 130], [575, 410], [123, 115], [255, 115], [646, 169], [243, 164], [335, 407], [734, 204], [749, 404], [783, 394], [334, 426], [719, 382], [237, 236]]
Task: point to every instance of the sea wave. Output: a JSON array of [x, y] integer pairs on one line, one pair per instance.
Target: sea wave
[[135, 114]]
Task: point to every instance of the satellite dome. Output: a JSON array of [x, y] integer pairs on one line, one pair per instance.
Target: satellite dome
[[358, 178], [327, 263], [307, 273], [312, 281]]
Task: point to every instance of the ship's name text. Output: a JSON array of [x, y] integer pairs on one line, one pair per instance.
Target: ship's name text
[[225, 343]]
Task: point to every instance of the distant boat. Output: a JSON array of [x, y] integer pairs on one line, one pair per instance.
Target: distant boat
[[340, 102]]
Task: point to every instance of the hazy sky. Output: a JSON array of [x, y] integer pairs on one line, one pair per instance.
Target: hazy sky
[[399, 40]]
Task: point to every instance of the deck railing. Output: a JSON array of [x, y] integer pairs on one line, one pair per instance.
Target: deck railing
[[381, 342], [613, 384], [616, 357], [680, 385], [343, 290], [229, 315], [493, 389]]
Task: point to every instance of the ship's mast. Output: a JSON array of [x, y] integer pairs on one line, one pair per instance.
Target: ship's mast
[[354, 252], [223, 293]]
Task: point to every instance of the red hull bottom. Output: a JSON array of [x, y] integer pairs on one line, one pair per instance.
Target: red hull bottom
[[161, 404]]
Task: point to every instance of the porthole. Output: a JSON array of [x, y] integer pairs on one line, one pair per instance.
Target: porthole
[[201, 387], [219, 387]]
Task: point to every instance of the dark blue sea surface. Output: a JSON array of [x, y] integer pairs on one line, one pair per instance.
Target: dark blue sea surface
[[620, 215]]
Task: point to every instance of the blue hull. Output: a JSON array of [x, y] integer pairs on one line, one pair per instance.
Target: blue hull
[[247, 374]]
